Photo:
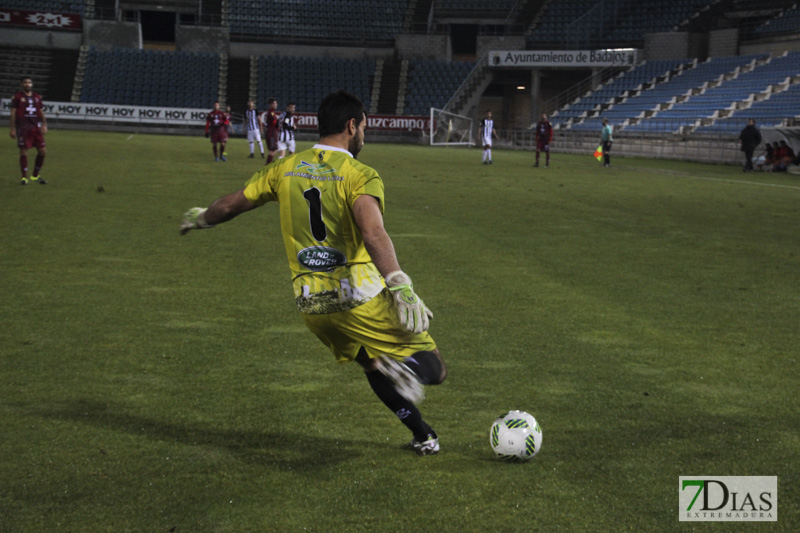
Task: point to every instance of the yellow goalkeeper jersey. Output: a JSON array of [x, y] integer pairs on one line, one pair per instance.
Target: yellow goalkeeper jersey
[[315, 189]]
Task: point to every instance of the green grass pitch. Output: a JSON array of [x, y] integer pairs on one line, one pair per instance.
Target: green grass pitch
[[646, 314]]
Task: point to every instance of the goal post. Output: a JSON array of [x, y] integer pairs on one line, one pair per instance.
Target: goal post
[[449, 129]]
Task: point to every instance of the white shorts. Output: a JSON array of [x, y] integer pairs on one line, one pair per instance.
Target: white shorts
[[253, 136], [286, 145]]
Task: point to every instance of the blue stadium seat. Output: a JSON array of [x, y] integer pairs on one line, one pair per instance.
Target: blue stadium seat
[[162, 78], [287, 78], [350, 20]]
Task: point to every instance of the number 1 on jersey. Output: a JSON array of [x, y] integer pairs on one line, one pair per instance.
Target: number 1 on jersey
[[318, 229]]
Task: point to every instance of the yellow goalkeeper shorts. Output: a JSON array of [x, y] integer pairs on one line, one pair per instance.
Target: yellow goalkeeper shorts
[[374, 325]]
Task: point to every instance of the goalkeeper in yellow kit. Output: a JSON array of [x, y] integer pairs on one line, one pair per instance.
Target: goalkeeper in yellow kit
[[346, 277]]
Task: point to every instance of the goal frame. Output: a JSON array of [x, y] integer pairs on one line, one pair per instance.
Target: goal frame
[[462, 135]]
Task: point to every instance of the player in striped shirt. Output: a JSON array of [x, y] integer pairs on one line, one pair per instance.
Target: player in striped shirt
[[288, 127], [487, 132], [254, 128]]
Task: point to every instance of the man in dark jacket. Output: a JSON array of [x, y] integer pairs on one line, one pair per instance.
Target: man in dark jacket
[[749, 138]]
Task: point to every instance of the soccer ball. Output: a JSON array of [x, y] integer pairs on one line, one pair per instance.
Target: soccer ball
[[516, 436]]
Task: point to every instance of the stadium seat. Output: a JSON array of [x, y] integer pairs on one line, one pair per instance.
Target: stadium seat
[[164, 78], [367, 20], [352, 74]]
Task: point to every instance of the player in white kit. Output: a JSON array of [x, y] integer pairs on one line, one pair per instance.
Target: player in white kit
[[254, 128], [487, 132]]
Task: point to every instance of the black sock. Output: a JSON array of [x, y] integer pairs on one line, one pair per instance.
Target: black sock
[[426, 366], [406, 411]]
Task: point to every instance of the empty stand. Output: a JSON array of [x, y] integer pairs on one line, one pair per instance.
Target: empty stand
[[680, 88], [651, 16], [151, 77], [72, 6], [776, 106], [787, 22], [52, 71], [715, 96], [635, 80], [681, 95], [16, 62], [742, 88], [571, 22], [349, 20], [589, 23], [306, 81], [432, 83]]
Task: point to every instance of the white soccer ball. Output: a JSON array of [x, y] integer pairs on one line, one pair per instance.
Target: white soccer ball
[[516, 436]]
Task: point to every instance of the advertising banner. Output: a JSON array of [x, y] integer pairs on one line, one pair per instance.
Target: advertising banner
[[196, 117], [562, 58], [119, 113], [374, 122], [40, 19]]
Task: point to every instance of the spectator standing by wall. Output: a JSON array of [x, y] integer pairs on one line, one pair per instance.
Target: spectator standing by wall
[[749, 138], [544, 134]]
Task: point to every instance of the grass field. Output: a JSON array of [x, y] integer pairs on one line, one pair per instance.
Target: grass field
[[646, 314]]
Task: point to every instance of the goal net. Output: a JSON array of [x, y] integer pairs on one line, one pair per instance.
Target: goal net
[[449, 129]]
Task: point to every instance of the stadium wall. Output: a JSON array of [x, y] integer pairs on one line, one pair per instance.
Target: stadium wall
[[419, 46], [723, 42], [487, 43], [706, 149], [674, 45], [201, 39], [245, 50], [105, 35], [42, 38], [774, 47]]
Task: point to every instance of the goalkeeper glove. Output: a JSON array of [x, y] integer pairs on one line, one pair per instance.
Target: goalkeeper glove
[[414, 314], [194, 218]]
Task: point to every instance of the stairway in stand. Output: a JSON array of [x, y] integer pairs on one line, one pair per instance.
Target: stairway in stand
[[52, 71], [390, 84], [239, 84]]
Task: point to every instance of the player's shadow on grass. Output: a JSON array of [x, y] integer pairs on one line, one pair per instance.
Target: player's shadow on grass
[[284, 450]]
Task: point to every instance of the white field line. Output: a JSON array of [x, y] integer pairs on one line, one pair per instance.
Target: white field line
[[708, 178]]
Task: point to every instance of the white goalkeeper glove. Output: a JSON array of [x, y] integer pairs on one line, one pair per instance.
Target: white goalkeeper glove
[[414, 314], [194, 218]]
